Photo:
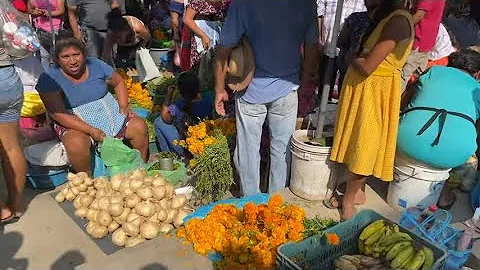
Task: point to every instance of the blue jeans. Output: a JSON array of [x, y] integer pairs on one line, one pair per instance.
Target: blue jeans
[[94, 41], [166, 134], [281, 115]]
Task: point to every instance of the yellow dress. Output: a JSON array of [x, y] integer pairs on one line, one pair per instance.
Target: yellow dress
[[367, 118]]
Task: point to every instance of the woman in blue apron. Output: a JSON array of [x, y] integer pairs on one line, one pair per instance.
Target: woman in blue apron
[[437, 125], [75, 93]]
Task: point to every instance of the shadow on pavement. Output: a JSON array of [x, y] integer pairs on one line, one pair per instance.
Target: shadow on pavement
[[154, 266], [10, 243], [69, 261]]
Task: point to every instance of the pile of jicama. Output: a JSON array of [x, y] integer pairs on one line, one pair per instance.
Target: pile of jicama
[[133, 207]]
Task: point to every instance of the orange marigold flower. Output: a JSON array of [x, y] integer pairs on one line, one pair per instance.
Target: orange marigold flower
[[333, 239], [275, 201]]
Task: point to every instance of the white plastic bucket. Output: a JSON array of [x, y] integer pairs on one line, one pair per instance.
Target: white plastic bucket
[[311, 168], [415, 184]]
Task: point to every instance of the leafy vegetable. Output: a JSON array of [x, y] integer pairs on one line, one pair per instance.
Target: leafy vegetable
[[317, 225]]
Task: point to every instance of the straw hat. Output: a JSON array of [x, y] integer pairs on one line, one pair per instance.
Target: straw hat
[[241, 67]]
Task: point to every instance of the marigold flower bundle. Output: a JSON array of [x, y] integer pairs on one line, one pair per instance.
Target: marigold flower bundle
[[137, 94], [248, 237], [202, 135]]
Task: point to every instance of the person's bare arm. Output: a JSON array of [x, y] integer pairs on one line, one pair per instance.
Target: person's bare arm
[[321, 31], [143, 33], [56, 108], [189, 21], [121, 92], [73, 19], [418, 16], [310, 63], [108, 48], [221, 67], [396, 30], [165, 113], [175, 26]]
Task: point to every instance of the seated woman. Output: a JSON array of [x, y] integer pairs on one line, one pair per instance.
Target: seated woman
[[129, 33], [437, 127], [187, 110], [75, 93]]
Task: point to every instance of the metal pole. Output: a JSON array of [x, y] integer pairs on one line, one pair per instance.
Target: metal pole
[[52, 32], [328, 73]]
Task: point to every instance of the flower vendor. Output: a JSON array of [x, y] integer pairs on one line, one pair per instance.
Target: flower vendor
[[75, 93], [170, 124]]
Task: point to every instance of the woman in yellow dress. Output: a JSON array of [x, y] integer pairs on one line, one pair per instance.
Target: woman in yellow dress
[[369, 107]]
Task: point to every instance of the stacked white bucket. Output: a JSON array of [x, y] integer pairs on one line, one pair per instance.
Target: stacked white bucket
[[311, 168], [415, 184]]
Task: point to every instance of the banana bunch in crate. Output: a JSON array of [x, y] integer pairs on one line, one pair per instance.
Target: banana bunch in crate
[[382, 239], [382, 247]]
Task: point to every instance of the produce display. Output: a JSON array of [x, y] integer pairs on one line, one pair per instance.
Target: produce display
[[390, 249], [133, 207], [207, 142], [137, 94], [246, 238]]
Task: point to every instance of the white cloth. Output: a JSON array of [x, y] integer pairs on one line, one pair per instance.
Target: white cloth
[[327, 10], [212, 29], [29, 70], [50, 153], [443, 45]]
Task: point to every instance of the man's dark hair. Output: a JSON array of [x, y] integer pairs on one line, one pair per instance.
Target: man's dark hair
[[467, 59], [188, 85]]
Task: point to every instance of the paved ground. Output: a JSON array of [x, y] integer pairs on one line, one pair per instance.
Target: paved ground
[[46, 238]]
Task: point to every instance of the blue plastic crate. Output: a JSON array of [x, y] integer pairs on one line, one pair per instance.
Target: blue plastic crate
[[51, 178], [315, 253]]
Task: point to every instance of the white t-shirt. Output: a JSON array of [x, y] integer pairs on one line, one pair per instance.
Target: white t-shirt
[[443, 45], [327, 9]]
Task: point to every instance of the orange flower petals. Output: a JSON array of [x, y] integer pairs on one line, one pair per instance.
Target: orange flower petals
[[248, 237], [333, 239]]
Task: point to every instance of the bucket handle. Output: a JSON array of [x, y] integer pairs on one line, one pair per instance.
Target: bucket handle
[[408, 178], [305, 156]]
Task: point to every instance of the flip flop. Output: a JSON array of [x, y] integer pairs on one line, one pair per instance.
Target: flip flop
[[13, 218], [333, 202]]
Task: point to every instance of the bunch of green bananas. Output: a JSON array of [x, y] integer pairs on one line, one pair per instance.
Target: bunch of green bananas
[[382, 239]]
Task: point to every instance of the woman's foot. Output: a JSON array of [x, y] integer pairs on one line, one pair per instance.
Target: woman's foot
[[7, 216], [335, 202]]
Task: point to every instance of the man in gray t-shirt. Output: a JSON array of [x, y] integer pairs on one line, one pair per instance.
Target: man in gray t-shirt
[[88, 20]]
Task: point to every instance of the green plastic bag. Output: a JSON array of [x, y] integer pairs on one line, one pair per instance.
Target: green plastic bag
[[173, 177], [120, 158]]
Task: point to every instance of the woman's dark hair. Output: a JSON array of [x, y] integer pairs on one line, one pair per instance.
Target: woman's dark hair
[[466, 59], [116, 22], [383, 11], [189, 87], [65, 39]]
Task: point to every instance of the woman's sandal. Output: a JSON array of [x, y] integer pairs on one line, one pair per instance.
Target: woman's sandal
[[13, 218], [334, 202]]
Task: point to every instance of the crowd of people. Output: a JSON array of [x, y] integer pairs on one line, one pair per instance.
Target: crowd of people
[[401, 67]]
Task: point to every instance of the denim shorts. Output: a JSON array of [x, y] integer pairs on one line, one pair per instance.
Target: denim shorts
[[11, 95]]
